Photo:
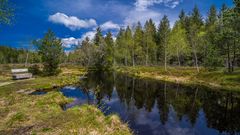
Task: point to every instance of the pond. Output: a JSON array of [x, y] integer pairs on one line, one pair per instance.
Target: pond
[[159, 108]]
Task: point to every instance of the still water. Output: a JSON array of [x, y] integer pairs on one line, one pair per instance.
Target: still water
[[159, 108]]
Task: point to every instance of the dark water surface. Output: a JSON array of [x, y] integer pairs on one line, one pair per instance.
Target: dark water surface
[[159, 108]]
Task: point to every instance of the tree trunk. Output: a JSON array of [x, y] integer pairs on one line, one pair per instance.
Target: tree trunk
[[165, 59], [133, 60], [179, 63], [229, 61], [125, 60], [196, 57], [194, 99], [146, 61], [26, 62], [165, 92], [155, 55], [234, 55], [114, 61]]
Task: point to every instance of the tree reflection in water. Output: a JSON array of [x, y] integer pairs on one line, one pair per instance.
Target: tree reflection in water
[[154, 107]]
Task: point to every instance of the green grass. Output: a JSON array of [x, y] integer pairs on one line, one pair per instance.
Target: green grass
[[21, 113], [188, 75], [43, 115]]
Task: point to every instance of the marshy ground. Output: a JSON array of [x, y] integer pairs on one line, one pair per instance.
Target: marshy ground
[[21, 113]]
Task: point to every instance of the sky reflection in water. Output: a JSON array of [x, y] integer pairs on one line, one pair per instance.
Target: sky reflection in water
[[159, 108]]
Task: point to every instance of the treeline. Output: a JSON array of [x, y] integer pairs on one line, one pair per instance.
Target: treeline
[[193, 41], [12, 55]]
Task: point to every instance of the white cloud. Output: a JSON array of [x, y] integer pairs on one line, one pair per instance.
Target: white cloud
[[109, 25], [90, 35], [71, 41], [72, 22], [142, 16], [144, 4], [142, 12]]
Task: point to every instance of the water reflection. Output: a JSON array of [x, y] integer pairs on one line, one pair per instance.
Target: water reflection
[[153, 107]]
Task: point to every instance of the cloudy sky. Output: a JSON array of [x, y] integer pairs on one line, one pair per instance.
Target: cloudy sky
[[73, 20]]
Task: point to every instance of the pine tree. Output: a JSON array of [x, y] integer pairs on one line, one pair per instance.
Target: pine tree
[[211, 50], [109, 50], [163, 36], [51, 51], [129, 45], [194, 27], [98, 37], [229, 35], [120, 47], [138, 43], [182, 19], [99, 53], [150, 42]]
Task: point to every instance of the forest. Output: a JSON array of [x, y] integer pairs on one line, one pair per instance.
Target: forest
[[148, 78], [193, 41]]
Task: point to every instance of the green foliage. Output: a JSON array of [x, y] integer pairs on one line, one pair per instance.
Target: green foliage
[[138, 38], [212, 56], [163, 38], [192, 41], [178, 45], [150, 47], [51, 51], [100, 53], [129, 45], [35, 69], [109, 49], [12, 55], [6, 12], [121, 48]]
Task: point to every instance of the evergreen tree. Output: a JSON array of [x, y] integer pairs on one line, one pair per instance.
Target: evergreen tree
[[194, 28], [100, 53], [51, 51], [211, 50], [229, 35], [98, 37], [86, 52], [182, 19], [120, 47], [128, 39], [109, 49], [150, 42], [138, 43], [163, 38]]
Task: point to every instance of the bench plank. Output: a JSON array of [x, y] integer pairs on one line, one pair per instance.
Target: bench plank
[[19, 70], [22, 76]]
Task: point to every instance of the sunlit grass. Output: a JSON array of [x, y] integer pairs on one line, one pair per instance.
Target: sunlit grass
[[188, 75]]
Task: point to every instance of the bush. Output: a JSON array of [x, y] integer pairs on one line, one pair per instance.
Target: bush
[[35, 70]]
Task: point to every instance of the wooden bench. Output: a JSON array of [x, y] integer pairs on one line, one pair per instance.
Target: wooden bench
[[20, 74]]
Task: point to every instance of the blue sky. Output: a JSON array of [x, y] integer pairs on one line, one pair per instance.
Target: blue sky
[[73, 20]]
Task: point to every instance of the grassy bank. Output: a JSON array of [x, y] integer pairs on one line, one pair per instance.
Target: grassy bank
[[186, 75], [21, 113], [24, 114]]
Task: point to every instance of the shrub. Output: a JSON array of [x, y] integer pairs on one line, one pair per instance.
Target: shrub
[[35, 70]]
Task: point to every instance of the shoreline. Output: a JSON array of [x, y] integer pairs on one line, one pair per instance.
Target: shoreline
[[22, 113], [147, 73]]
